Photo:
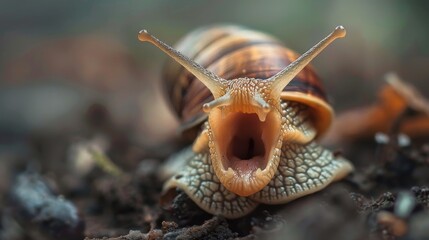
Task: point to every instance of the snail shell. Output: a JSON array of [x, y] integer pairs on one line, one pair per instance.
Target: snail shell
[[261, 107], [233, 52]]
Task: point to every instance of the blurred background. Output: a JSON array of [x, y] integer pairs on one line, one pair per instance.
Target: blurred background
[[66, 66], [77, 89]]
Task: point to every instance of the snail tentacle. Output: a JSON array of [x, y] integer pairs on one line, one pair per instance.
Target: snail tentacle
[[209, 79], [283, 78]]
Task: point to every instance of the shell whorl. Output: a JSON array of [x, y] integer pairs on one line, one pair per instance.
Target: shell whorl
[[231, 52]]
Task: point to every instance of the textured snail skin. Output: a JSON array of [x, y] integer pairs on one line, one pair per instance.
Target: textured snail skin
[[303, 169], [258, 143]]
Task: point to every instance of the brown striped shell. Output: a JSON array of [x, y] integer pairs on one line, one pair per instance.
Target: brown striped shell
[[233, 52]]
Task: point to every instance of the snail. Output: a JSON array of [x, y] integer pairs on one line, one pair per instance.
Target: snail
[[257, 108]]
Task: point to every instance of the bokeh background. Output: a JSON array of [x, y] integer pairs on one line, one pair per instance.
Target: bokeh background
[[61, 61]]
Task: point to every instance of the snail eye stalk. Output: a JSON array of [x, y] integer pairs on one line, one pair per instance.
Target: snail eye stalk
[[282, 78], [209, 79]]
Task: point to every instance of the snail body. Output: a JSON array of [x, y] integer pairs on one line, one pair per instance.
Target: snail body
[[254, 108]]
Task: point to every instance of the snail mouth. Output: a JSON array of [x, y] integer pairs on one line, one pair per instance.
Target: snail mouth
[[245, 147], [245, 150]]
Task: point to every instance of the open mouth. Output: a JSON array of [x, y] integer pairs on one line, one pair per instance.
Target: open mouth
[[245, 148]]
